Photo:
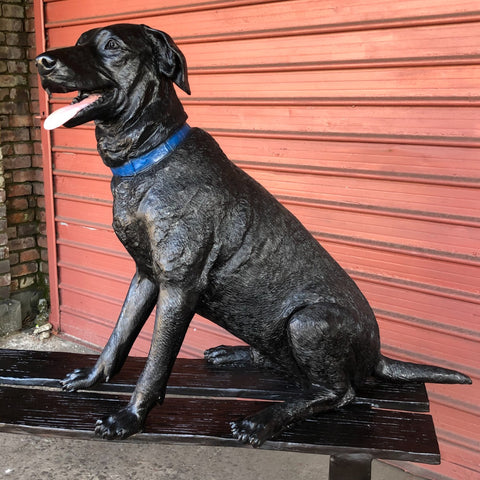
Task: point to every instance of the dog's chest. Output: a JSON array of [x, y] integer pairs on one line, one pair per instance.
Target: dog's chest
[[130, 226]]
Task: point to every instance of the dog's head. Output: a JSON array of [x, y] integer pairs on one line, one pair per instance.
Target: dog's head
[[107, 66]]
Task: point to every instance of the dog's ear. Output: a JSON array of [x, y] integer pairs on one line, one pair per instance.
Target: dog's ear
[[170, 60]]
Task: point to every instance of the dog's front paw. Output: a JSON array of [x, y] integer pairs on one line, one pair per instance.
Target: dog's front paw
[[81, 378], [119, 425]]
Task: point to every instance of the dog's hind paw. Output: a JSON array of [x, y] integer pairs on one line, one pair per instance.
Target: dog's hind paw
[[228, 356], [254, 432], [245, 435], [119, 425]]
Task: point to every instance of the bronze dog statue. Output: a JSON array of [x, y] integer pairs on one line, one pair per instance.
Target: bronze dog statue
[[206, 238]]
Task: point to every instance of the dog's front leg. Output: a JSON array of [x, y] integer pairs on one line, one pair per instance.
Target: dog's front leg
[[175, 310], [139, 302]]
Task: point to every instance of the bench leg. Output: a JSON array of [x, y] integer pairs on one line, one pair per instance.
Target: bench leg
[[350, 467]]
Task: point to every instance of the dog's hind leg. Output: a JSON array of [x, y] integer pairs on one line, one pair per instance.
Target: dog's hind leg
[[318, 347], [271, 421], [139, 303]]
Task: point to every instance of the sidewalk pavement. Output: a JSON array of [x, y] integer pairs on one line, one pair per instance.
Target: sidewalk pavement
[[31, 457]]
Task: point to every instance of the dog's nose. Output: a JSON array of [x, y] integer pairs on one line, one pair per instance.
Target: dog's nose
[[45, 63]]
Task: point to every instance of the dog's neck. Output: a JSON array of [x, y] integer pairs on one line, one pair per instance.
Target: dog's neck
[[140, 128]]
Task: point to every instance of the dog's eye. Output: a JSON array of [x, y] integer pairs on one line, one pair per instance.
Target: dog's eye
[[111, 45]]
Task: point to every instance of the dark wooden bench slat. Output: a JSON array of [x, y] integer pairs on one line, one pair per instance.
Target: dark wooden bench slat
[[193, 377], [357, 430]]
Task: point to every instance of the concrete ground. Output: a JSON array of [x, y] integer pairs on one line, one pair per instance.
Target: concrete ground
[[31, 457]]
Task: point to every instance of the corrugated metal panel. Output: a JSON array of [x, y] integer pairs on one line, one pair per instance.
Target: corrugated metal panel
[[362, 118]]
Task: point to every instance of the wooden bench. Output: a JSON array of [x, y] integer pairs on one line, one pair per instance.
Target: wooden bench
[[203, 399]]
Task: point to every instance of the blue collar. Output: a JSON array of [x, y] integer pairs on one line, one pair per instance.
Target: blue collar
[[137, 165]]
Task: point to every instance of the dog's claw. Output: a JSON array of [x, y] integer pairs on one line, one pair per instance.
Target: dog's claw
[[254, 442]]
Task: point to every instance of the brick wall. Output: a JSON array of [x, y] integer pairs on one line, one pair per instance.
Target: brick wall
[[5, 277], [22, 159]]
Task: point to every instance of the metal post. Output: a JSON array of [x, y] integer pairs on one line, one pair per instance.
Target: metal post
[[350, 467]]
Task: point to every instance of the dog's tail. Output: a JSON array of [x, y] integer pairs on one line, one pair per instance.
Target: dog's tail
[[397, 371]]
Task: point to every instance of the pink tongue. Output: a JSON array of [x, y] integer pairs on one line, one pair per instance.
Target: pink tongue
[[63, 115]]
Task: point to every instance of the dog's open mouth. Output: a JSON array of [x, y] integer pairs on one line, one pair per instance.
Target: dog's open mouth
[[63, 115]]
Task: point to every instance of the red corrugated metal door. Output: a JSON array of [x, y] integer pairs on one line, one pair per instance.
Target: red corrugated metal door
[[361, 117]]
